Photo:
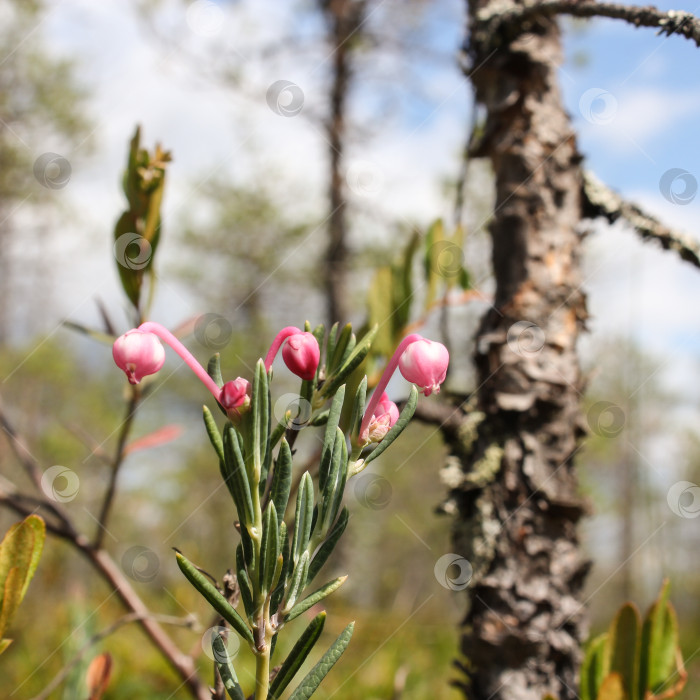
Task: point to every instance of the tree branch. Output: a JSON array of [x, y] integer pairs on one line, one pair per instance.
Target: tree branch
[[497, 18], [599, 200]]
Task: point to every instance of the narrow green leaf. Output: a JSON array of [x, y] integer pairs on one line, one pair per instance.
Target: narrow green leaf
[[237, 476], [214, 369], [313, 679], [297, 656], [21, 549], [303, 516], [358, 354], [321, 418], [659, 642], [260, 405], [297, 581], [332, 497], [593, 670], [213, 597], [330, 348], [12, 596], [269, 548], [225, 666], [316, 597], [396, 430], [358, 407], [278, 593], [624, 647], [282, 479], [339, 351], [213, 433], [328, 545], [244, 583], [329, 437]]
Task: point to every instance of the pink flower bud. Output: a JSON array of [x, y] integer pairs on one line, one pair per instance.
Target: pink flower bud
[[386, 413], [301, 354], [138, 353], [424, 362], [235, 397]]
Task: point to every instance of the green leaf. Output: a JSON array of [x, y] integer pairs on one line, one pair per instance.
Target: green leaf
[[623, 645], [269, 548], [260, 405], [328, 545], [358, 354], [297, 581], [20, 551], [343, 347], [316, 597], [214, 369], [332, 496], [214, 597], [225, 666], [330, 348], [278, 593], [244, 583], [329, 437], [395, 431], [358, 407], [213, 433], [303, 516], [282, 479], [659, 642], [313, 679], [612, 688], [297, 656], [237, 476], [593, 669]]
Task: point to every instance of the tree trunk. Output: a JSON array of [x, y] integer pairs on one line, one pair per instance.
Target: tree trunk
[[345, 18], [515, 495]]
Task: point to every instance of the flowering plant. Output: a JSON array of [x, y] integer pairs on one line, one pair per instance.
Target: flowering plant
[[277, 562]]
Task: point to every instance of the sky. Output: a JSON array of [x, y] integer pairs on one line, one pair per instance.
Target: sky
[[633, 97]]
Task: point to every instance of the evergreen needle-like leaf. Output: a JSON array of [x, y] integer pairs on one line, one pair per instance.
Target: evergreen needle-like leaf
[[297, 656], [282, 479], [213, 597], [313, 679], [316, 597], [213, 433], [228, 674]]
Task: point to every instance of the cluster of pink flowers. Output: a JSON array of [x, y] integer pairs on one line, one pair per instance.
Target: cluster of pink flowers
[[424, 362]]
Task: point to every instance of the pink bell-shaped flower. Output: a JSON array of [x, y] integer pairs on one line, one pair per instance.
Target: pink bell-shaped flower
[[424, 362], [385, 414], [235, 397], [301, 354], [139, 353]]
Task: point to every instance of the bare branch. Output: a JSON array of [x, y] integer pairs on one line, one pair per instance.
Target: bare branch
[[501, 18], [599, 200]]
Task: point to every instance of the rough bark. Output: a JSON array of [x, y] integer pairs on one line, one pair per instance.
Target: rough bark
[[513, 486]]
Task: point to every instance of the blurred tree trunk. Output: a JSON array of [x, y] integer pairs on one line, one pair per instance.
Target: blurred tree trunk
[[345, 19], [516, 504]]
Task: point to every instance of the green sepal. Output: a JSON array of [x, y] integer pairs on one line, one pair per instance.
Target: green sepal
[[213, 433], [269, 548], [214, 369], [214, 597], [329, 437], [358, 354], [297, 656], [226, 670], [327, 547], [237, 477], [396, 430], [282, 479], [244, 583], [303, 516], [313, 679], [316, 597]]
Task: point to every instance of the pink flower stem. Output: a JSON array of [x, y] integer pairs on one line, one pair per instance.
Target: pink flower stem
[[167, 337], [386, 376], [277, 343]]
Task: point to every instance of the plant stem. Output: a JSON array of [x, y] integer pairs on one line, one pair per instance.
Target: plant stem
[[262, 674]]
